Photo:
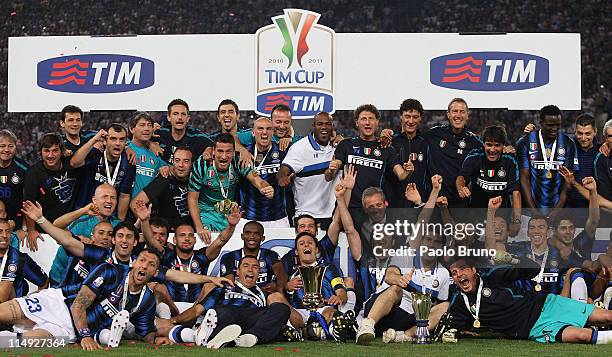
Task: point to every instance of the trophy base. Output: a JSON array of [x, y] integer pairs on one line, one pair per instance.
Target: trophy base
[[422, 336]]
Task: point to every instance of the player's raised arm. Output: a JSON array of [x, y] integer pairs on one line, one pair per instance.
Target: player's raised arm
[[63, 237], [213, 250]]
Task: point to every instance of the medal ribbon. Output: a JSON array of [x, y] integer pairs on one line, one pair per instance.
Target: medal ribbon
[[547, 162], [540, 276], [262, 160], [478, 297], [113, 259], [4, 260], [261, 297], [223, 191], [125, 294], [180, 265], [112, 180]]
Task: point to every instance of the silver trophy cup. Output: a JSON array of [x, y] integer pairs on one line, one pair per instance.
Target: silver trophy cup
[[421, 304]]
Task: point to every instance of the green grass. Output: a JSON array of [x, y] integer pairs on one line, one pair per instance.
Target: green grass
[[491, 347]]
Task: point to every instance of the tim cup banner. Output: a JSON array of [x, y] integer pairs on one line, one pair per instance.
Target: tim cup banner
[[298, 61], [300, 74]]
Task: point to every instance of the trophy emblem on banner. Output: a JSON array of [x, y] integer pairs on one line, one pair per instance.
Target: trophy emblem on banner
[[421, 304], [312, 279]]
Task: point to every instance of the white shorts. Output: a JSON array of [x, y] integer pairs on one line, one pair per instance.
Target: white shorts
[[305, 313], [49, 312], [279, 223]]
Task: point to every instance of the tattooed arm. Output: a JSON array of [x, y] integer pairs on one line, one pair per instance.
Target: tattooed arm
[[83, 300]]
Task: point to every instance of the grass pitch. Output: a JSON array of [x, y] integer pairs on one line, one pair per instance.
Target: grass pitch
[[490, 346]]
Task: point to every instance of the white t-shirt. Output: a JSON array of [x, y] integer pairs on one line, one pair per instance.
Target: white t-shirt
[[436, 281], [309, 160]]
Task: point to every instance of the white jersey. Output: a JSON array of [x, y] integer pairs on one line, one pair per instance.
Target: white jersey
[[435, 281], [309, 160]]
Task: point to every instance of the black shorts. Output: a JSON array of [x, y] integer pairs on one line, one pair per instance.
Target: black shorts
[[397, 319]]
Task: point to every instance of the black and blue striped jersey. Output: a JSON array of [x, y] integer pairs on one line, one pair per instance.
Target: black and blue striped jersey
[[544, 177], [255, 205], [107, 282], [19, 267], [78, 268], [550, 281], [237, 296], [266, 257], [197, 264], [12, 178]]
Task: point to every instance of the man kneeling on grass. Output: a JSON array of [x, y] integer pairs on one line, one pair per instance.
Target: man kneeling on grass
[[238, 314], [486, 300]]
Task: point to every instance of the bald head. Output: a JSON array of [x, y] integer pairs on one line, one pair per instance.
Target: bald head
[[105, 199], [263, 131]]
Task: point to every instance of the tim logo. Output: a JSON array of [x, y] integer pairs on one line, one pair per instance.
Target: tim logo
[[102, 73], [295, 64], [489, 71]]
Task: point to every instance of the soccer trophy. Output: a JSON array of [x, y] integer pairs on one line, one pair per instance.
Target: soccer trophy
[[421, 304], [312, 279]]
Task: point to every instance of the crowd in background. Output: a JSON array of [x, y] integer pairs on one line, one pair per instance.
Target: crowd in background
[[148, 17]]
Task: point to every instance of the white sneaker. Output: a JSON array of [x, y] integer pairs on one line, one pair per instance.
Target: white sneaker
[[246, 340], [120, 322], [607, 298], [202, 333], [366, 333], [227, 334], [391, 336]]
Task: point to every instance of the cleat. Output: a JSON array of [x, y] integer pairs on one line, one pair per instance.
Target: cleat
[[339, 326], [120, 322], [366, 333], [290, 334], [226, 335], [202, 333], [246, 340]]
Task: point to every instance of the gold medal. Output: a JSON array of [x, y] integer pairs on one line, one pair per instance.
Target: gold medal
[[476, 323], [224, 205], [538, 287], [549, 174]]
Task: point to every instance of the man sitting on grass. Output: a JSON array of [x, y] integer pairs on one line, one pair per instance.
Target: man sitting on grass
[[486, 300]]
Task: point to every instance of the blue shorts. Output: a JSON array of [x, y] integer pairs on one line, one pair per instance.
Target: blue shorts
[[558, 312]]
